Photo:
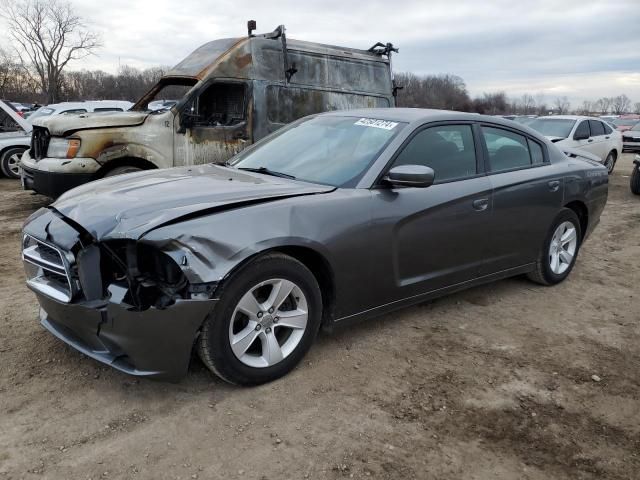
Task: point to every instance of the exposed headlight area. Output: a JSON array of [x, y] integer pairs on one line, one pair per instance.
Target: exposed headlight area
[[63, 147]]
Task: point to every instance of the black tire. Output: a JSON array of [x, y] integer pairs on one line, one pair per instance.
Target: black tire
[[8, 164], [610, 161], [122, 170], [543, 273], [214, 345], [635, 180]]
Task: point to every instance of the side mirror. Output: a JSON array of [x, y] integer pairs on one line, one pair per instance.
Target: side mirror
[[410, 176], [581, 136]]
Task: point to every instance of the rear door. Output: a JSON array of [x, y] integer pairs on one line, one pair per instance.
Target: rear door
[[527, 194], [587, 144], [600, 139]]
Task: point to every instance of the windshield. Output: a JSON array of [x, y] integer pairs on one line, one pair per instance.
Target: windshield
[[625, 122], [41, 112], [553, 127], [330, 150], [165, 94]]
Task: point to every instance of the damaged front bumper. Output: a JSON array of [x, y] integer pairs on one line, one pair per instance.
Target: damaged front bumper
[[107, 304], [153, 343]]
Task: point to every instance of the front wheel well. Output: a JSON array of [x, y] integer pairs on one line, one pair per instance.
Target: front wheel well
[[126, 162], [580, 209]]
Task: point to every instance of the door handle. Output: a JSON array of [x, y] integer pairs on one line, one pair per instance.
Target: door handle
[[554, 185], [607, 137], [590, 140], [481, 204]]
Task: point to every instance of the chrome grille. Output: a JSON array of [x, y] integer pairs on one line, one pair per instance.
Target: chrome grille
[[47, 269]]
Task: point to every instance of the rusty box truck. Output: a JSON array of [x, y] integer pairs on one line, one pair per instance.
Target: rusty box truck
[[224, 96]]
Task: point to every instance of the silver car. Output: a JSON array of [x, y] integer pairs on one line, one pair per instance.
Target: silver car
[[15, 138]]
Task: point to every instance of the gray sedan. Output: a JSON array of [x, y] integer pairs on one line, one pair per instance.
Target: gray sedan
[[335, 218]]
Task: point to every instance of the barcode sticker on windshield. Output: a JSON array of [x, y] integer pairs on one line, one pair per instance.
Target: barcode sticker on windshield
[[372, 122]]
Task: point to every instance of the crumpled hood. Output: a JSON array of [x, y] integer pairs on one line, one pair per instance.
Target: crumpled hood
[[128, 206], [59, 125]]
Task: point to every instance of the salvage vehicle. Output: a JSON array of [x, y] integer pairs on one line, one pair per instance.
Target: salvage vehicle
[[231, 93], [631, 139], [15, 137], [582, 133], [635, 176], [337, 217]]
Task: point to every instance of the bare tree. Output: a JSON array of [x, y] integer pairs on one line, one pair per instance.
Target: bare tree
[[636, 107], [48, 35], [602, 105], [562, 105], [620, 104], [528, 104], [586, 108]]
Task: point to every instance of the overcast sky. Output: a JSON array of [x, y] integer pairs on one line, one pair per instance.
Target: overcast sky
[[582, 49]]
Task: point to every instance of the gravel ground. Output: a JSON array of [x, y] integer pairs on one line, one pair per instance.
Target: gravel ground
[[509, 380]]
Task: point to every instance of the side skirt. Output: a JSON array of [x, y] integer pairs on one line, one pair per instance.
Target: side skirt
[[406, 302]]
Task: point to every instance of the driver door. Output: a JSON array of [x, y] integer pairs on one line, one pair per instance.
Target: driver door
[[214, 125], [437, 236]]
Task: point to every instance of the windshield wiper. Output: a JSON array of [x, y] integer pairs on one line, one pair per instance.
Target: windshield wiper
[[267, 171]]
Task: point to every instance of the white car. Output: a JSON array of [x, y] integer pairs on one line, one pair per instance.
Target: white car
[[589, 134], [68, 108], [15, 138]]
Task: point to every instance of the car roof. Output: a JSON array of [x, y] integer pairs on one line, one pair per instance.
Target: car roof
[[410, 115], [569, 117]]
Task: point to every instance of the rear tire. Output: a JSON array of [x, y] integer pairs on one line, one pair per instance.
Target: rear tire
[[559, 250], [10, 161], [610, 161], [635, 179], [122, 170], [258, 332]]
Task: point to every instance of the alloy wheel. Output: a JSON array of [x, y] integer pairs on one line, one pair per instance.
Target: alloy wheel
[[12, 164], [268, 323], [563, 247]]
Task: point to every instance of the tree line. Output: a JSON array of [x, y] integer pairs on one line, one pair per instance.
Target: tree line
[[46, 35]]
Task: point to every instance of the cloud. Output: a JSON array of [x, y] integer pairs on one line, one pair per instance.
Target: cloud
[[583, 49]]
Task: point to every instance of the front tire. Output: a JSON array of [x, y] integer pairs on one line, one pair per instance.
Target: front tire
[[265, 322], [559, 250], [10, 161], [635, 179]]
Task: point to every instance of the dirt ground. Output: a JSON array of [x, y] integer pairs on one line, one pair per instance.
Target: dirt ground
[[492, 383]]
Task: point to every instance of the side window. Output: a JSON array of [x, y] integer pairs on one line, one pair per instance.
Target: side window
[[448, 149], [537, 157], [596, 128], [107, 109], [607, 129], [583, 130], [73, 112], [220, 105], [507, 150]]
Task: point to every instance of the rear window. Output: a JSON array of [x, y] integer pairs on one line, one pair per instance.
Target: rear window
[[537, 157], [507, 150], [552, 127], [41, 112], [107, 109], [74, 111]]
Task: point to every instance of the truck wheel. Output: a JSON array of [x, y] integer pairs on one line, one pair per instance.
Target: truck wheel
[[122, 170], [10, 161], [635, 179]]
